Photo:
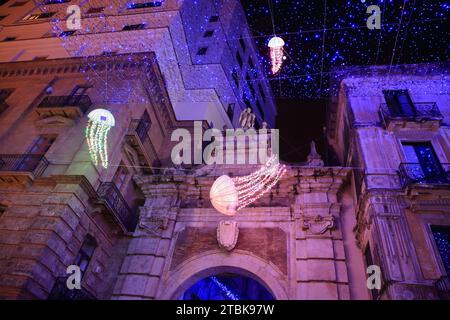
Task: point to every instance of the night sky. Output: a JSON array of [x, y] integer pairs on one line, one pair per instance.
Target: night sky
[[317, 40], [312, 51]]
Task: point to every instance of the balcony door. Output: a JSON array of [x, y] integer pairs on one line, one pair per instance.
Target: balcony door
[[76, 95], [422, 163], [399, 103], [143, 126], [37, 149]]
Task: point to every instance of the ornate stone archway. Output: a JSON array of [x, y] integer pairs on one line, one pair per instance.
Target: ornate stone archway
[[214, 262]]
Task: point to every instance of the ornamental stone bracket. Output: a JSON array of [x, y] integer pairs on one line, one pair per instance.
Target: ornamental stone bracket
[[317, 225], [227, 234], [155, 220]]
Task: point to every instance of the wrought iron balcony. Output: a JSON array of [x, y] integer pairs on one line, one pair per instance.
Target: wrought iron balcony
[[66, 106], [61, 292], [13, 165], [110, 196], [139, 139], [420, 112], [414, 174]]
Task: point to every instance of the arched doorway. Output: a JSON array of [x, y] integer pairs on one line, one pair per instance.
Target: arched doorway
[[227, 286], [214, 263]]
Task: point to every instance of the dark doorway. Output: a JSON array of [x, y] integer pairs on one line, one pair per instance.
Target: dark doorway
[[227, 287]]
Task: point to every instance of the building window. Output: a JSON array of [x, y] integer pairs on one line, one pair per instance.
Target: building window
[[441, 235], [5, 93], [95, 10], [230, 111], [42, 144], [208, 34], [422, 163], [55, 1], [7, 39], [38, 148], [2, 209], [37, 16], [239, 59], [235, 76], [2, 2], [261, 91], [213, 18], [18, 3], [202, 51], [149, 4], [250, 63], [85, 254], [2, 17], [249, 84], [260, 109], [108, 53], [67, 33], [399, 103], [3, 106], [242, 43], [129, 27], [120, 176]]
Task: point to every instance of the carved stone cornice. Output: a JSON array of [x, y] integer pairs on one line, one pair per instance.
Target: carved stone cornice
[[76, 65], [80, 180]]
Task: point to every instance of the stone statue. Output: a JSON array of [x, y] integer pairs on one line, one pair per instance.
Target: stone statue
[[314, 158], [247, 119], [264, 125]]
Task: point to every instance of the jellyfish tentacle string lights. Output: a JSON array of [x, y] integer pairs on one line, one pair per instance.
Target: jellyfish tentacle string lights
[[229, 195], [100, 121], [276, 45]]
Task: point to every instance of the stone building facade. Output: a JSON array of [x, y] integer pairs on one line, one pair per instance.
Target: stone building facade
[[391, 125], [145, 229], [204, 49]]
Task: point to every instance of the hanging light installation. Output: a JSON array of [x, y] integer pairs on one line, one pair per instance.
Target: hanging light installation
[[228, 195], [276, 53], [99, 123]]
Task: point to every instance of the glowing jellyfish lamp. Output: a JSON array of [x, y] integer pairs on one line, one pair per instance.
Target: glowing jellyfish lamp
[[99, 123], [229, 195], [276, 53]]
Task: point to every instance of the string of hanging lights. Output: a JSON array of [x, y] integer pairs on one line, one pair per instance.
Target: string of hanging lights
[[229, 195], [99, 123]]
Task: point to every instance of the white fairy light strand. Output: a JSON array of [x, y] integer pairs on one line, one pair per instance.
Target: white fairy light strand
[[253, 186]]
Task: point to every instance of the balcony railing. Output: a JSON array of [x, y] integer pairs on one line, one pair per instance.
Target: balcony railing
[[413, 173], [33, 163], [61, 292], [421, 111], [110, 195], [138, 132], [64, 105]]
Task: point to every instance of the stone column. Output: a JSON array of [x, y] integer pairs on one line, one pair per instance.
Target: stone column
[[320, 267], [384, 227], [144, 263]]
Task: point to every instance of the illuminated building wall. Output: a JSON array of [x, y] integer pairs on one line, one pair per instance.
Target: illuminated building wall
[[208, 61], [392, 127]]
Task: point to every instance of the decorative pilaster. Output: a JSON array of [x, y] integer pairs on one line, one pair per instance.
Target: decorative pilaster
[[143, 266], [320, 268]]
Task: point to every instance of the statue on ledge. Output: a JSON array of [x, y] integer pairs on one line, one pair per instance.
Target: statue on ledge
[[314, 158], [247, 119]]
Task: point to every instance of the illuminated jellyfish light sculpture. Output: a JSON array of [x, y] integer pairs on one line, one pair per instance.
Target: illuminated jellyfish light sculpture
[[276, 45], [99, 123], [229, 195]]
